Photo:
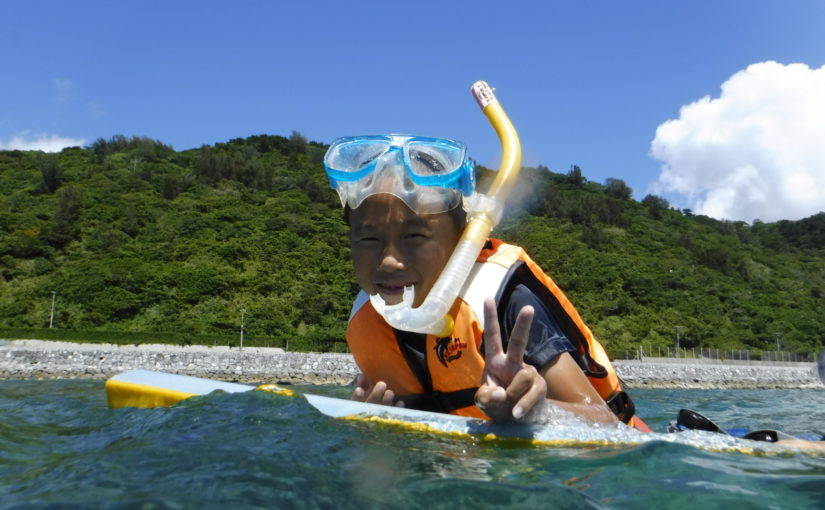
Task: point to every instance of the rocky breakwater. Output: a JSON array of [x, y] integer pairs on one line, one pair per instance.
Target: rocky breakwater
[[675, 373], [34, 359]]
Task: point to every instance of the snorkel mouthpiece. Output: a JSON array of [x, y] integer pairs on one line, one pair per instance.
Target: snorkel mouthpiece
[[484, 213], [381, 306]]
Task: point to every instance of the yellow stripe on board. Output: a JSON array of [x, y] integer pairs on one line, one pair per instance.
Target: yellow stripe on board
[[429, 429], [129, 394], [274, 388], [524, 441]]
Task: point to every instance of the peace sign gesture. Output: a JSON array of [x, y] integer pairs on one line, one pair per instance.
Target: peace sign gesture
[[510, 387]]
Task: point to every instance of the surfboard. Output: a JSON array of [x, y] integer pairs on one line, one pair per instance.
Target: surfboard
[[148, 389]]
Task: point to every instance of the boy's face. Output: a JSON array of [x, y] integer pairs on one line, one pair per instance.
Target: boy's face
[[393, 247]]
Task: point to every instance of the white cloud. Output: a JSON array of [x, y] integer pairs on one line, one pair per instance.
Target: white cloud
[[63, 89], [96, 109], [43, 142], [755, 152]]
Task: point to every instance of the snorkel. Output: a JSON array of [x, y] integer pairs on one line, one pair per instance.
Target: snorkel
[[483, 212]]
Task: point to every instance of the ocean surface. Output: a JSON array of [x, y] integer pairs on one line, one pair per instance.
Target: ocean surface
[[62, 447]]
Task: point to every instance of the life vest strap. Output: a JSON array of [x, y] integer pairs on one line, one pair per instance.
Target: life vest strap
[[621, 405]]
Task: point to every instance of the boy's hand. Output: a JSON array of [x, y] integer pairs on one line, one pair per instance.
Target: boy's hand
[[378, 393], [510, 387]]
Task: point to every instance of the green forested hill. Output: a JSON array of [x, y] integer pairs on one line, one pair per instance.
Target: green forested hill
[[133, 236]]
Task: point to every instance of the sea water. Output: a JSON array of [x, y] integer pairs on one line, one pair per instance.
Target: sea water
[[62, 447]]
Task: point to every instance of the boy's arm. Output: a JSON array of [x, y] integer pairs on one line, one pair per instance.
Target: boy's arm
[[569, 389], [511, 388]]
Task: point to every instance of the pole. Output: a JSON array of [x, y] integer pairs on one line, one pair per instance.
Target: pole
[[51, 317], [243, 311], [677, 340]]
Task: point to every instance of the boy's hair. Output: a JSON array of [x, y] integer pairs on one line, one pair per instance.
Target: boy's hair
[[457, 214]]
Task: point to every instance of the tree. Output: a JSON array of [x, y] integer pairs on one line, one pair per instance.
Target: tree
[[574, 176], [618, 189], [65, 228], [298, 142], [655, 205], [51, 174], [169, 187], [211, 166]]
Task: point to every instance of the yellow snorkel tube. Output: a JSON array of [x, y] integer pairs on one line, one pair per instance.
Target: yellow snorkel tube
[[484, 213]]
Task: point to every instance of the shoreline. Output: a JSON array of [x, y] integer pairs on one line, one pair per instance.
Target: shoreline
[[43, 359], [46, 359]]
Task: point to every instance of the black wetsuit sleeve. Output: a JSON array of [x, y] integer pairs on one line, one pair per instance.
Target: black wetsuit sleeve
[[546, 341]]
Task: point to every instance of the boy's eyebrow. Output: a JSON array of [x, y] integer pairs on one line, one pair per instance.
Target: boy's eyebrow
[[414, 221], [357, 229]]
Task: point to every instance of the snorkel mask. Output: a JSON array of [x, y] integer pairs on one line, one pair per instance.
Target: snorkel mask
[[429, 174]]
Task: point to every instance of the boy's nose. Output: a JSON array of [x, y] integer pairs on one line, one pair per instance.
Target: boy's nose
[[391, 259]]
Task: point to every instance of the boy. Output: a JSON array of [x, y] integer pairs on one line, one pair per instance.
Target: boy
[[403, 202]]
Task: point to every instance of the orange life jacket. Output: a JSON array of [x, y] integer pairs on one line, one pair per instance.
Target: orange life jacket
[[455, 364]]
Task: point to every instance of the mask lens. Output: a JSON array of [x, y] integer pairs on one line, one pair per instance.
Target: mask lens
[[354, 155], [433, 157]]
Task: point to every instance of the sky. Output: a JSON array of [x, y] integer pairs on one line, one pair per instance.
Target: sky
[[716, 105]]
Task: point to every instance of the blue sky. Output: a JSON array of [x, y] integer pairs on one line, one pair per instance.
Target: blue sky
[[586, 83]]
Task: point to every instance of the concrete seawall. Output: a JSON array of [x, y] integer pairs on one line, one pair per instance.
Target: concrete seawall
[[34, 359], [653, 374]]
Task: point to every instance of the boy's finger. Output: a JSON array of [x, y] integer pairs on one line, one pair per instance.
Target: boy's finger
[[362, 382], [376, 396], [517, 343], [520, 385], [527, 389], [492, 333], [362, 388], [359, 394], [493, 401]]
